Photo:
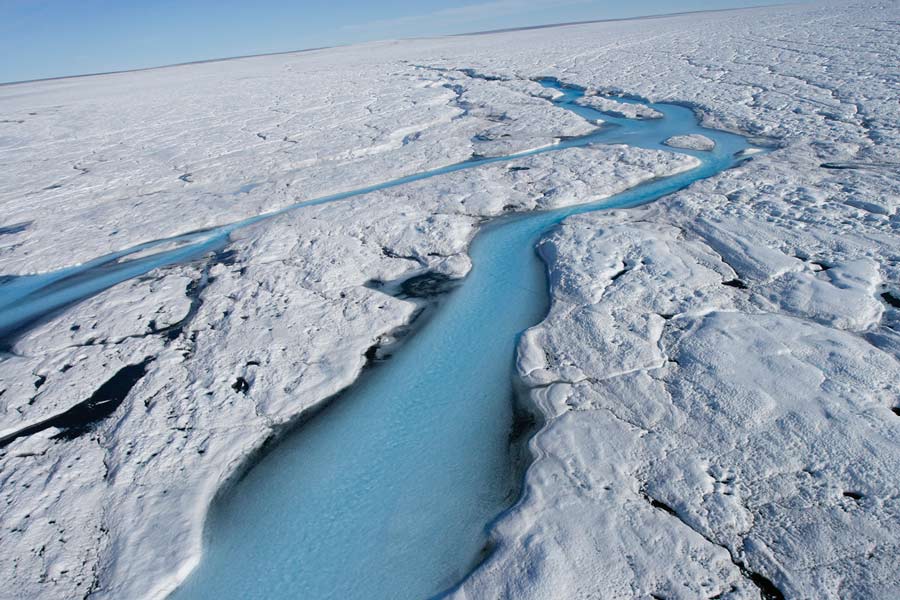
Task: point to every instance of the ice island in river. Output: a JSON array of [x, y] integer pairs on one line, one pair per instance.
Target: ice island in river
[[703, 402]]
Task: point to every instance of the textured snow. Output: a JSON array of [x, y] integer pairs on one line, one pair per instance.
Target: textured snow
[[716, 373], [619, 109], [756, 427]]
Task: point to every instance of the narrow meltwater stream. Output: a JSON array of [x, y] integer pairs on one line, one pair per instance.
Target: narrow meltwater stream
[[389, 491]]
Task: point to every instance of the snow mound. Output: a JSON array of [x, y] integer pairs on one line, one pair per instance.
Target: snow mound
[[694, 141]]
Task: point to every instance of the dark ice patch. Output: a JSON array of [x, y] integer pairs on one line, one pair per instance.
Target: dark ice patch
[[15, 228], [735, 283], [662, 506], [102, 403], [891, 299], [427, 285], [619, 274], [241, 385]]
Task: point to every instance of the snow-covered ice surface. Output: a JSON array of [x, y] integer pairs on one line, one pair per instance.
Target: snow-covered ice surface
[[693, 141], [718, 372], [620, 109]]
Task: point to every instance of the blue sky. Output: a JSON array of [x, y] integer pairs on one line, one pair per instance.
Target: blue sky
[[49, 38]]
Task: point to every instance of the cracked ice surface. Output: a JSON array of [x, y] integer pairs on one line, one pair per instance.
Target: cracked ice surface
[[629, 111], [754, 425], [696, 432], [719, 371]]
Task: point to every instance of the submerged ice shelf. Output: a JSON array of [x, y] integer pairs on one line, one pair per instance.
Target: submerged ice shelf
[[388, 492]]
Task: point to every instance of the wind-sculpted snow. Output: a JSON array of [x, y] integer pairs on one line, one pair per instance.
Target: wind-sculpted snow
[[717, 374]]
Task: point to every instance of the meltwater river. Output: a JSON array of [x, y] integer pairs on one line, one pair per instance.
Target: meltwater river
[[388, 493]]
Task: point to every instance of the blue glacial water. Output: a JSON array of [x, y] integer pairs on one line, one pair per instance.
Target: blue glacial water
[[388, 493]]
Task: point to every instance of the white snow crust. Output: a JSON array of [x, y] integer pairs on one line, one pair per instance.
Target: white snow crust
[[619, 109], [693, 141]]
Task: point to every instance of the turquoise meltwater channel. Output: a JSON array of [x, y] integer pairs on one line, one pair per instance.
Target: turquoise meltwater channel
[[388, 493]]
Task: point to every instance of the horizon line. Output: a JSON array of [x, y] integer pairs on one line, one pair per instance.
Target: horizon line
[[484, 32]]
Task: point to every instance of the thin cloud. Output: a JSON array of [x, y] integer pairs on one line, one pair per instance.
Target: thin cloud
[[467, 13]]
